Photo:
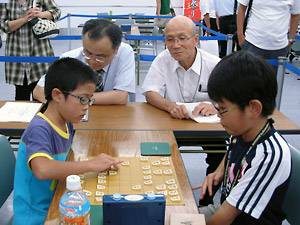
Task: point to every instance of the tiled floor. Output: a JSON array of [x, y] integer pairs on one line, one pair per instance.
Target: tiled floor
[[194, 163]]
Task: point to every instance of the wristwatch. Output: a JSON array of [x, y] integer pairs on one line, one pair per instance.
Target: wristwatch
[[292, 41]]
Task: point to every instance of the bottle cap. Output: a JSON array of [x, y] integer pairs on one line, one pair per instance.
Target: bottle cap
[[73, 183], [117, 196], [151, 196]]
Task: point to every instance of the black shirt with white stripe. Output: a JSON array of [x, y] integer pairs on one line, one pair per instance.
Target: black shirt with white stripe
[[263, 180]]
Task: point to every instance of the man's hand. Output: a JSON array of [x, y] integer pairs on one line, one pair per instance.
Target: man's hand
[[241, 39], [158, 19], [179, 112], [204, 109]]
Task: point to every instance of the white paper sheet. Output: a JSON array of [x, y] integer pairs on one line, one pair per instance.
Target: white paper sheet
[[200, 119], [18, 111]]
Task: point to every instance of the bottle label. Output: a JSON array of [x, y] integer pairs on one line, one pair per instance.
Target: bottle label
[[75, 214]]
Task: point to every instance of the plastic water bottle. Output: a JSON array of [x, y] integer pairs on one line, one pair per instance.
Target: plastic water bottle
[[74, 205]]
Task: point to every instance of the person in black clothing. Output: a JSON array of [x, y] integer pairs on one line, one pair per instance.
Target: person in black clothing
[[226, 11]]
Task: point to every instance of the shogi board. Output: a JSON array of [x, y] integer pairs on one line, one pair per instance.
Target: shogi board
[[132, 173]]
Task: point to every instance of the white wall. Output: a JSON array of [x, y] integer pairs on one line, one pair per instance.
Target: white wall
[[118, 7]]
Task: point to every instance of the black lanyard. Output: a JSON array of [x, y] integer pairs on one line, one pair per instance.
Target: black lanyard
[[257, 138]]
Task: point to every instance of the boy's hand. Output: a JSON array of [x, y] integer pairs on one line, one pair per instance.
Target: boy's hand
[[212, 179], [197, 186], [204, 109], [103, 162]]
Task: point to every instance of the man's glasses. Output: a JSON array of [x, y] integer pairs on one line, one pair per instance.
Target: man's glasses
[[221, 112], [83, 99], [89, 56], [180, 40]]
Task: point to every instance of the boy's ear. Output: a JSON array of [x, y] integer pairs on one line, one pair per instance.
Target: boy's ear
[[255, 108], [57, 95]]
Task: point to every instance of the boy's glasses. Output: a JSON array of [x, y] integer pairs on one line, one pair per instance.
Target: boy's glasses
[[97, 58], [221, 112], [181, 40], [83, 99]]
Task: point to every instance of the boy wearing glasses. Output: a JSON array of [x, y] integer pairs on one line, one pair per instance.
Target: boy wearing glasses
[[113, 61], [46, 141], [256, 170]]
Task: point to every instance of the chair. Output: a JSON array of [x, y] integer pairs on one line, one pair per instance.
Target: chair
[[153, 45], [125, 21], [103, 15], [155, 33], [291, 204], [125, 24], [147, 46], [139, 18], [7, 170]]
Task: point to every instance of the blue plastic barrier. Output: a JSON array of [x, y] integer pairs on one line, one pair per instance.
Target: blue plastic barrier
[[292, 68], [115, 16], [211, 31], [161, 38], [273, 62], [148, 58], [67, 37], [25, 59], [223, 36], [107, 16], [19, 59], [219, 36], [144, 37]]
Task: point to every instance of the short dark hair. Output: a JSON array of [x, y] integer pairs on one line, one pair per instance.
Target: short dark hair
[[99, 28], [241, 77], [67, 74]]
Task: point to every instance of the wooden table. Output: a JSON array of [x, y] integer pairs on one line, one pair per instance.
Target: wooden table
[[143, 116], [125, 144]]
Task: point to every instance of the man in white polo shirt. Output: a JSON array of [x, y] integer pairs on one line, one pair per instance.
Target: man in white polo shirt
[[114, 61], [267, 27], [180, 74]]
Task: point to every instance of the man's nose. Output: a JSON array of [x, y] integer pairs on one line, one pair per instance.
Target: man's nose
[[176, 43]]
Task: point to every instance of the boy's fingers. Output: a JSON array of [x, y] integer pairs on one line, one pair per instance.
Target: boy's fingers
[[197, 186], [204, 188], [210, 185], [115, 164]]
